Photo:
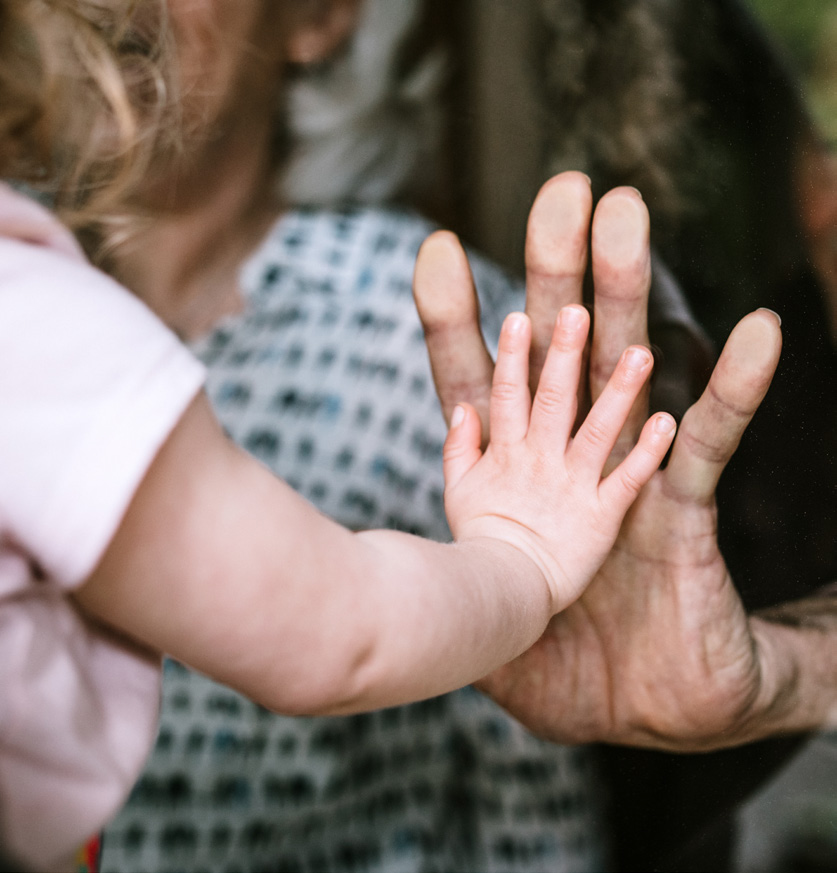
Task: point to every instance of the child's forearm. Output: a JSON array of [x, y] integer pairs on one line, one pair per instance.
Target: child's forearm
[[222, 566], [391, 619], [448, 615]]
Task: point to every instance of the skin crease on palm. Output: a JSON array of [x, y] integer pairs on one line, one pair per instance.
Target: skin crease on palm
[[658, 652]]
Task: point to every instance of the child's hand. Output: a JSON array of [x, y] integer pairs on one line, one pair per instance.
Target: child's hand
[[536, 486]]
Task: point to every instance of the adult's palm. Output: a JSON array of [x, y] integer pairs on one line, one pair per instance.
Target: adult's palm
[[658, 651]]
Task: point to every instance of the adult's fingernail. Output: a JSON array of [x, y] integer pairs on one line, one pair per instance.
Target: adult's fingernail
[[778, 317], [664, 424]]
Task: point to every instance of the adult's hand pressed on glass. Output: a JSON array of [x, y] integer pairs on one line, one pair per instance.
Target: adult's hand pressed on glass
[[662, 652], [556, 262], [658, 651]]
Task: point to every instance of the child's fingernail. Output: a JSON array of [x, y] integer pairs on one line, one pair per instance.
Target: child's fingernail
[[637, 358], [664, 424], [571, 317], [458, 417], [515, 322], [778, 317], [637, 191]]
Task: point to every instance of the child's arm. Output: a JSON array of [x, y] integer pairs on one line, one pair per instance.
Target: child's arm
[[224, 567]]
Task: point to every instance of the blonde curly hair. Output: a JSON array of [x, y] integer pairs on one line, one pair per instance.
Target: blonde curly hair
[[88, 103]]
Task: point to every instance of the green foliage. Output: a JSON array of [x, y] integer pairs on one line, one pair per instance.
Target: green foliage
[[796, 24], [807, 31]]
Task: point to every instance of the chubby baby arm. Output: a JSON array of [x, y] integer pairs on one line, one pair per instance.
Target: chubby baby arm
[[537, 486], [221, 565]]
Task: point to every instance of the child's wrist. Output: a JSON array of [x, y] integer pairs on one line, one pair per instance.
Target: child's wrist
[[515, 567]]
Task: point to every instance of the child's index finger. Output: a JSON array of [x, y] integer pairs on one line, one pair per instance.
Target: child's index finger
[[556, 401]]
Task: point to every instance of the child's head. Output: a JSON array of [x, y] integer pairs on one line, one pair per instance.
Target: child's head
[[97, 94], [86, 91]]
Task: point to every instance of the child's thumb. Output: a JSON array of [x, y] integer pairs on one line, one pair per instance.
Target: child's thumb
[[462, 446]]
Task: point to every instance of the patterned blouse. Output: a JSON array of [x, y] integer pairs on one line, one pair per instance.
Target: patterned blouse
[[325, 379]]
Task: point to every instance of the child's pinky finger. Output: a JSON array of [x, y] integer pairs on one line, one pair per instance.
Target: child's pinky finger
[[623, 485], [462, 445]]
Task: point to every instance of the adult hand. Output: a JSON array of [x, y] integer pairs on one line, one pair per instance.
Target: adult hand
[[556, 262], [659, 651]]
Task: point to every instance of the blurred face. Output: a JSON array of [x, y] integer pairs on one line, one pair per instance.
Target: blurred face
[[229, 51]]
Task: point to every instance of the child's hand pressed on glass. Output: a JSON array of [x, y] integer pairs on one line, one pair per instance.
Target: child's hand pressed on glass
[[539, 486]]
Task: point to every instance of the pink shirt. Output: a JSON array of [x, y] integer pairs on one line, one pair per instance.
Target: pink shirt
[[91, 384]]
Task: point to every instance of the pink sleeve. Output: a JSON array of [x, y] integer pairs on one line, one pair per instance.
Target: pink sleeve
[[91, 384], [95, 384]]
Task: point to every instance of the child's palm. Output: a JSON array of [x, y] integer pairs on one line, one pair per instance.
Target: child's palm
[[537, 487]]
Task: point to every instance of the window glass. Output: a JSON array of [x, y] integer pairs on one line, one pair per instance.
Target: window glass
[[807, 30]]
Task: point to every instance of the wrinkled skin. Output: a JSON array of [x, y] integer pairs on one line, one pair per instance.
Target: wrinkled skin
[[659, 651]]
